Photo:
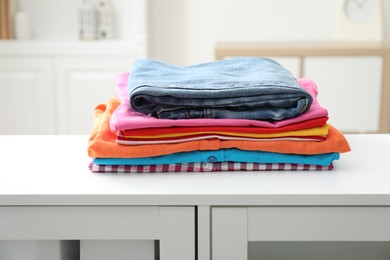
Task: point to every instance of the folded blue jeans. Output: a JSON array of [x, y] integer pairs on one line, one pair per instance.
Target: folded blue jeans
[[240, 88]]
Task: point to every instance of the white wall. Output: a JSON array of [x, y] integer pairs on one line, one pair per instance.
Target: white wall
[[184, 32]]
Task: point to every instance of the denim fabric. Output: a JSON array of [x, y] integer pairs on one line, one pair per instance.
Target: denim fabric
[[224, 155], [124, 117], [241, 88]]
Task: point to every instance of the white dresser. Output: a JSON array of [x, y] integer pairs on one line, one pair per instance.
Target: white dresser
[[48, 194]]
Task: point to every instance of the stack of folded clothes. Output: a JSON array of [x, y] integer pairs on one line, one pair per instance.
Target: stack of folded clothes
[[232, 115]]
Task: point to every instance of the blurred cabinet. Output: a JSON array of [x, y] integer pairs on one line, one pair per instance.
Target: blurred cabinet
[[26, 95], [53, 88], [350, 88], [83, 83], [51, 83], [351, 78]]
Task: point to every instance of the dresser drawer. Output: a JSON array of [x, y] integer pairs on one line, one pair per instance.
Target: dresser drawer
[[233, 228], [319, 224], [86, 222]]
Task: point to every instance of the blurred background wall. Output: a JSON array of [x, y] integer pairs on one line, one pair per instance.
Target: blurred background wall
[[185, 31]]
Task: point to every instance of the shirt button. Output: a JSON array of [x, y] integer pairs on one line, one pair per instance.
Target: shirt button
[[206, 166], [212, 159]]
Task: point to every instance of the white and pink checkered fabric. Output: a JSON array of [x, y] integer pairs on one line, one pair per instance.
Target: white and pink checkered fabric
[[208, 167]]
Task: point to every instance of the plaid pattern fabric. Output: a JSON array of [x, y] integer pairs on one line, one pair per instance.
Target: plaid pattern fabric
[[207, 167]]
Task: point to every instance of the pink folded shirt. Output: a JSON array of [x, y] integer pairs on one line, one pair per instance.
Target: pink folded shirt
[[124, 118]]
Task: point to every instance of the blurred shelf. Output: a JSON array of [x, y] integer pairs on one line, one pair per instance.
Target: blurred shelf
[[40, 47], [253, 48]]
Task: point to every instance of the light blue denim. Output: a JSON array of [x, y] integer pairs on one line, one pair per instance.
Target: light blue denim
[[240, 88], [224, 155]]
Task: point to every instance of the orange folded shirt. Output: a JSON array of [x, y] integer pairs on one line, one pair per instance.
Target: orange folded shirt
[[102, 142]]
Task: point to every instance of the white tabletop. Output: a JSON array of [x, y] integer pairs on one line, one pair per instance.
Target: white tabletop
[[53, 170]]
